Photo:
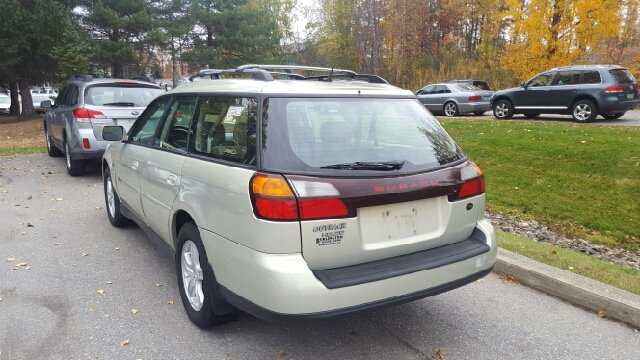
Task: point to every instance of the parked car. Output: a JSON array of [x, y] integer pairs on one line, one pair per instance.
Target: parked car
[[5, 104], [478, 83], [37, 101], [300, 199], [583, 91], [454, 99], [72, 126]]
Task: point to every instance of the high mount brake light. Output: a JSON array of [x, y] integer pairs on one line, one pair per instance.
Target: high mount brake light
[[614, 89], [126, 83], [273, 199], [85, 115]]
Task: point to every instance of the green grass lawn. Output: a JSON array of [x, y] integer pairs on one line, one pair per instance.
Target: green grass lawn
[[580, 180], [22, 150]]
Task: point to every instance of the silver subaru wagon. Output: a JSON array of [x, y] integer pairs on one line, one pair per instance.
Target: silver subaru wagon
[[299, 197]]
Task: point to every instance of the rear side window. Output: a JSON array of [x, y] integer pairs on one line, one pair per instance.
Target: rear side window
[[120, 95], [567, 78], [467, 87], [592, 77], [622, 76], [313, 135], [482, 85], [441, 89], [225, 128], [73, 96]]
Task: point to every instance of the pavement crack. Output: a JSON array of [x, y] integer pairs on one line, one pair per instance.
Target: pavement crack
[[406, 343]]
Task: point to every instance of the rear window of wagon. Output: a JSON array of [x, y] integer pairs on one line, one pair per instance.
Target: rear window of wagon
[[307, 135]]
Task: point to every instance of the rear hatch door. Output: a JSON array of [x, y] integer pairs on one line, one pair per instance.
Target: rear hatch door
[[628, 83]]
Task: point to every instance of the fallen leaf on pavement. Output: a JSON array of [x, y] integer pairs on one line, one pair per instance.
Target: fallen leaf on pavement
[[28, 268], [74, 264], [281, 353], [21, 264], [98, 208], [11, 259], [634, 330], [91, 309], [59, 199], [100, 291], [508, 279], [158, 285], [126, 342], [109, 282], [135, 311], [117, 248], [30, 197], [602, 313], [30, 225], [439, 354], [624, 325], [84, 254], [479, 280], [570, 267], [170, 302]]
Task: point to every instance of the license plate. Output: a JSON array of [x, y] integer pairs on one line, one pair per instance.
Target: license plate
[[629, 96], [486, 98]]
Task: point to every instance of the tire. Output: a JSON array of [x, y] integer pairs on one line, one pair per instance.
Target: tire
[[113, 202], [478, 113], [51, 149], [74, 167], [613, 117], [192, 273], [584, 111], [531, 116], [503, 110], [451, 109]]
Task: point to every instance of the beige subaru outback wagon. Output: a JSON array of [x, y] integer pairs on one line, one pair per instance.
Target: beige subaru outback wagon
[[299, 197]]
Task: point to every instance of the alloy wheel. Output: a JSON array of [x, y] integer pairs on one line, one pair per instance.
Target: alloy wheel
[[192, 274], [582, 112], [67, 154], [502, 110], [450, 109], [111, 200]]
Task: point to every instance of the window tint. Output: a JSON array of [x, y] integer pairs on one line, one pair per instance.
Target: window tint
[[61, 99], [225, 128], [542, 79], [441, 89], [73, 96], [307, 135], [145, 128], [592, 77], [467, 87], [482, 85], [115, 94], [426, 90], [622, 76], [567, 78], [175, 131]]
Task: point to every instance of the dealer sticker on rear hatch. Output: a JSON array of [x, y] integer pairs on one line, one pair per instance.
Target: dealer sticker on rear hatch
[[330, 234]]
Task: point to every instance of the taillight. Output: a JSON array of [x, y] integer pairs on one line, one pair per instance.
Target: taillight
[[274, 199], [475, 98], [614, 89], [85, 115], [472, 186]]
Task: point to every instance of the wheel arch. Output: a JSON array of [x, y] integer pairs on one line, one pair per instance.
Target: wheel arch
[[585, 97], [182, 214], [500, 98]]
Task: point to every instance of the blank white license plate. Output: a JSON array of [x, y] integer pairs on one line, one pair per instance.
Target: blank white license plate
[[486, 98]]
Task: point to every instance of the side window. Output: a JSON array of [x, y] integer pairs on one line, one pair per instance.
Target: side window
[[441, 89], [175, 131], [567, 78], [72, 99], [542, 79], [592, 77], [225, 128], [425, 90], [61, 99], [144, 130]]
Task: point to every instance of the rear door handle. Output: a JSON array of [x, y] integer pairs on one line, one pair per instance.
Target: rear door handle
[[171, 179]]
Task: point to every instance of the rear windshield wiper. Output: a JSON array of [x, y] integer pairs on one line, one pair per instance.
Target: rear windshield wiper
[[384, 165], [119, 104]]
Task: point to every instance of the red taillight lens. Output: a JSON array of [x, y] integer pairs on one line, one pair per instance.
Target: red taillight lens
[[475, 98], [322, 208], [277, 209], [85, 143], [471, 187], [85, 115], [614, 89]]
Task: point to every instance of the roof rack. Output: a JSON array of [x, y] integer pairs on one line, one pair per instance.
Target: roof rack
[[85, 78], [260, 73]]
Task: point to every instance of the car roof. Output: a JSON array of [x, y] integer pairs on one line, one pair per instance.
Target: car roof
[[596, 66], [303, 87], [109, 81]]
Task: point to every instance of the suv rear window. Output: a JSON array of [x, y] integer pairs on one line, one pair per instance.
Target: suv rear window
[[139, 95], [622, 76], [313, 135], [467, 87]]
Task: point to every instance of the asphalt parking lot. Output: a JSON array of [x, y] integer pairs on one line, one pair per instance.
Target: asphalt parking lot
[[55, 229]]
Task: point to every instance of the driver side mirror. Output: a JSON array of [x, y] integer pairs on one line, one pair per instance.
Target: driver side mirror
[[112, 133], [524, 85]]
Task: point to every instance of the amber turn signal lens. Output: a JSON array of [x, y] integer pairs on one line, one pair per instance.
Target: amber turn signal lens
[[265, 185]]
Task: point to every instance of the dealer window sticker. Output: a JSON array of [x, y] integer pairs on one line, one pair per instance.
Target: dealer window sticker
[[235, 111]]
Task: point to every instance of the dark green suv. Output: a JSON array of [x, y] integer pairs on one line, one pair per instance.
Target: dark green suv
[[583, 91]]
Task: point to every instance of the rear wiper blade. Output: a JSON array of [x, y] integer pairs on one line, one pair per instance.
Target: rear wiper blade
[[119, 104], [383, 165]]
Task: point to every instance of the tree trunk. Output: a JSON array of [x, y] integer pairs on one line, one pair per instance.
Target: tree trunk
[[27, 101], [117, 71], [15, 98]]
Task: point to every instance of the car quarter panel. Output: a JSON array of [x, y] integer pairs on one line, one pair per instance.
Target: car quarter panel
[[222, 192]]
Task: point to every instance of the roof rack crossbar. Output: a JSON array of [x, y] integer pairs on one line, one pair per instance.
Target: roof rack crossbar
[[258, 74], [293, 67]]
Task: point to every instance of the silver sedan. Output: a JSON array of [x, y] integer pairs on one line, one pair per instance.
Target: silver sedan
[[455, 99]]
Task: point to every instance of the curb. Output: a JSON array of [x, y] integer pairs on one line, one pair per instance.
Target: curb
[[617, 304]]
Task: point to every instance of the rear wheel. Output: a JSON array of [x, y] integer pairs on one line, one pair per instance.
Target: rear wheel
[[503, 110], [113, 202], [584, 111], [613, 117], [528, 115], [74, 167], [51, 149], [451, 109], [193, 281]]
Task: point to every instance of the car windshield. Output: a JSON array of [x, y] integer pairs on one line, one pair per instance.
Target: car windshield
[[139, 95], [353, 137], [467, 87]]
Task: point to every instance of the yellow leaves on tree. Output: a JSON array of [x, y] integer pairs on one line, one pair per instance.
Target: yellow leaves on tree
[[336, 42], [548, 33]]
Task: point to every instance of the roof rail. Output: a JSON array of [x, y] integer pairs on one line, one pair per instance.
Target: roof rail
[[85, 78], [260, 73]]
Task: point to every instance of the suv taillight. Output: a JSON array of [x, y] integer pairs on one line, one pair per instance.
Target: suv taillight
[[273, 199], [471, 187], [85, 115], [614, 89], [475, 98]]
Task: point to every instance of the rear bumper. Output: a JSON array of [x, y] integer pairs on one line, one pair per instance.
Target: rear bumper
[[612, 105], [473, 107], [281, 287]]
